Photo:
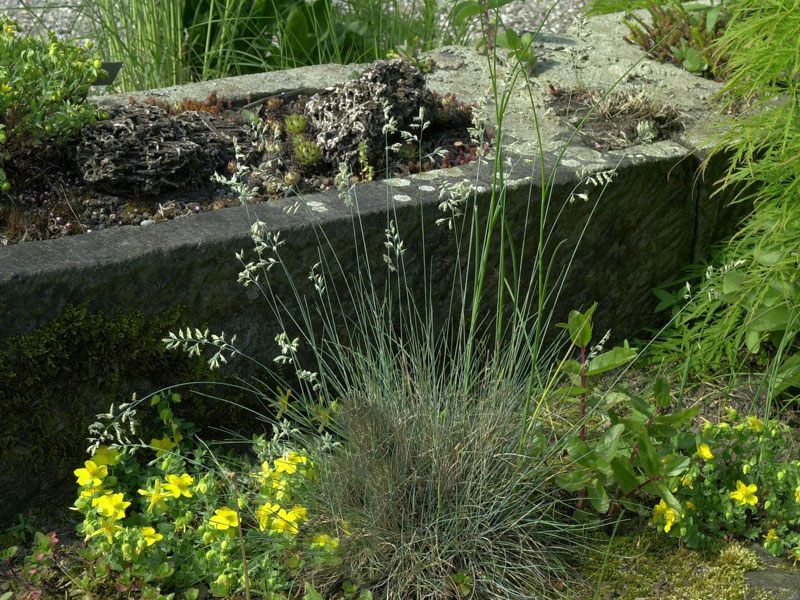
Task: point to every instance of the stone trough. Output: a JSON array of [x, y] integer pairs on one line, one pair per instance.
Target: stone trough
[[654, 216]]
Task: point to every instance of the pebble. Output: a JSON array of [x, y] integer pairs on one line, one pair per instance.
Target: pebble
[[147, 222]]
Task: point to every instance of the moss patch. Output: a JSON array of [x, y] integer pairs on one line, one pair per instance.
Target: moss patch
[[646, 566], [56, 379]]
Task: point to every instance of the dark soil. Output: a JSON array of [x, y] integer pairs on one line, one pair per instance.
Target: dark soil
[[90, 183]]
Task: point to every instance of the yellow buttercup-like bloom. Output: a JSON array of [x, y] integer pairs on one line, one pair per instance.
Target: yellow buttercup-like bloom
[[670, 518], [156, 496], [178, 485], [687, 482], [92, 474], [658, 511], [112, 506], [105, 456], [163, 445], [224, 518], [284, 522], [150, 535], [325, 541], [705, 452], [755, 424], [771, 536], [265, 513], [797, 494], [745, 494], [109, 528]]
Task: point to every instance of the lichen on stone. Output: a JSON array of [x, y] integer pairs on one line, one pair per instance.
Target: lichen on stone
[[142, 148], [354, 112]]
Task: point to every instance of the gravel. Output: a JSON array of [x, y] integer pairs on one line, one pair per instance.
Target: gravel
[[63, 18]]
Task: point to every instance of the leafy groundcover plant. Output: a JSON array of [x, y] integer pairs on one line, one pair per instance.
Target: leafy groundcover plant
[[43, 86]]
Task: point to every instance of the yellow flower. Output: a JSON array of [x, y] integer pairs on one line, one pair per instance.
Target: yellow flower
[[299, 512], [156, 496], [178, 485], [150, 535], [9, 29], [705, 452], [224, 518], [163, 445], [659, 510], [690, 504], [5, 88], [288, 464], [92, 475], [687, 482], [105, 456], [284, 522], [264, 475], [325, 541], [755, 424], [745, 494], [109, 528], [94, 491], [112, 506], [771, 536], [265, 513], [670, 518], [797, 494], [279, 484]]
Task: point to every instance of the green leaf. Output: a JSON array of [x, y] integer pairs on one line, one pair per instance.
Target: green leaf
[[774, 318], [575, 480], [678, 418], [579, 450], [676, 464], [598, 497], [666, 300], [311, 593], [509, 40], [732, 281], [661, 395], [464, 10], [660, 431], [610, 443], [6, 596], [580, 326], [651, 461], [660, 489], [768, 259], [752, 340], [623, 471], [616, 357], [640, 405], [712, 16]]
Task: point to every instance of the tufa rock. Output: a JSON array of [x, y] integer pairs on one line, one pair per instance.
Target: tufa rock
[[142, 148], [347, 114]]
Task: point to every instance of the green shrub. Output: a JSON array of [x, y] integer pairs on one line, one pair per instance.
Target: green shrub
[[745, 302], [43, 85]]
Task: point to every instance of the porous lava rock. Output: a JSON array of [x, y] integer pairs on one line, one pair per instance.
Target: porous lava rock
[[142, 148], [345, 115]]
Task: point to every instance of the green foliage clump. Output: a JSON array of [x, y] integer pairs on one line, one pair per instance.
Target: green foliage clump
[[742, 481], [306, 151], [674, 30], [745, 302], [43, 86]]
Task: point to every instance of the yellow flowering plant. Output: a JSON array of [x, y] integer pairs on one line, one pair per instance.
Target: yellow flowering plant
[[168, 516], [742, 481], [43, 86]]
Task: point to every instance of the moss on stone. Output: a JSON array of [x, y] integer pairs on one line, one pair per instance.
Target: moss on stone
[[647, 566]]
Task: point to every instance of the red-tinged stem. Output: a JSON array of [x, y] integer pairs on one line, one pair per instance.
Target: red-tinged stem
[[582, 433]]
